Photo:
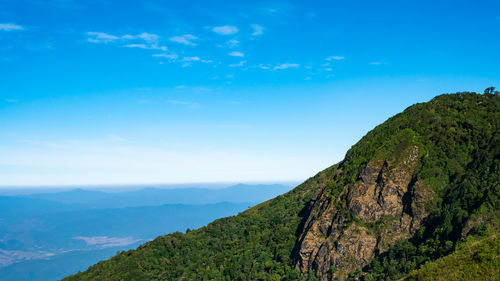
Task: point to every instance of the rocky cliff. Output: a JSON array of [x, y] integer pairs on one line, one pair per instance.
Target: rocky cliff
[[386, 203]]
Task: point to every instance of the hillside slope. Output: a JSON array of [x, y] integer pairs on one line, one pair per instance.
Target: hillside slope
[[405, 194], [473, 260]]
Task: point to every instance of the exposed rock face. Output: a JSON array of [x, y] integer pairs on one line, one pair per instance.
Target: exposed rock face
[[386, 203]]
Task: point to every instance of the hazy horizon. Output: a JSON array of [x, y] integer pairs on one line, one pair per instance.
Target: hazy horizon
[[20, 190]]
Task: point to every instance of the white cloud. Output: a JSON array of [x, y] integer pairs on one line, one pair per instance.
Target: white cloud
[[10, 27], [334, 58], [143, 40], [257, 29], [378, 63], [241, 63], [106, 242], [147, 37], [225, 29], [191, 105], [188, 60], [286, 65], [11, 100], [186, 39], [236, 54], [328, 69], [146, 47], [191, 59], [233, 43], [100, 37], [171, 56], [140, 46], [264, 66]]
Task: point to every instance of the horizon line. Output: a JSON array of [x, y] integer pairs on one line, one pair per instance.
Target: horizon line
[[220, 184]]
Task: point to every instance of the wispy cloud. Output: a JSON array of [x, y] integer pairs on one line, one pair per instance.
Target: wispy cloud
[[146, 47], [143, 40], [286, 66], [107, 242], [100, 37], [12, 100], [191, 59], [240, 64], [233, 43], [188, 60], [225, 29], [148, 37], [279, 66], [186, 39], [236, 54], [171, 56], [10, 27], [257, 29], [191, 105], [334, 58], [378, 63]]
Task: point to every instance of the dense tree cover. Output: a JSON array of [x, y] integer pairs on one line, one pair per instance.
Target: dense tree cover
[[459, 159], [473, 260], [461, 163]]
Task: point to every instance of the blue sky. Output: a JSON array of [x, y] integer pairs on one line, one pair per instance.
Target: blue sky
[[137, 92]]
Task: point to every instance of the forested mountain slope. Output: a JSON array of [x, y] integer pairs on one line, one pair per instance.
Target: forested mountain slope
[[476, 259], [404, 195]]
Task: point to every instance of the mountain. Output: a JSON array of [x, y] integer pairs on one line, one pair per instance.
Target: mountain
[[48, 236], [51, 246], [240, 193], [12, 207], [406, 194]]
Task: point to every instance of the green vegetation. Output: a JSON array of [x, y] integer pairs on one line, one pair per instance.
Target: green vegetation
[[459, 159], [463, 167], [473, 260]]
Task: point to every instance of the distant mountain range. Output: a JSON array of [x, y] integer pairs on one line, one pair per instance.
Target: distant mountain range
[[154, 196], [47, 236]]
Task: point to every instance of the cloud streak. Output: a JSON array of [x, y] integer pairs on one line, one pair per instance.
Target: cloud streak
[[286, 66], [100, 37], [10, 27], [225, 29], [240, 64], [334, 58], [186, 39], [171, 56], [147, 41], [107, 242], [191, 105], [236, 54], [146, 47], [257, 29]]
